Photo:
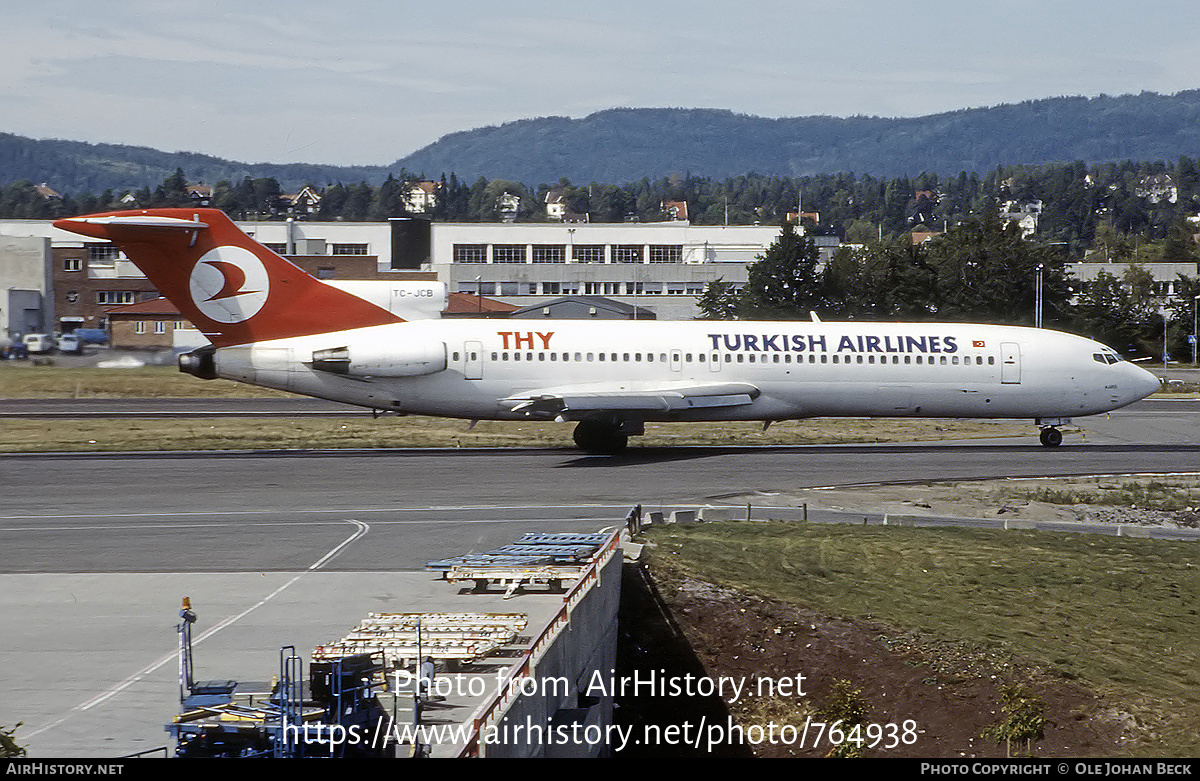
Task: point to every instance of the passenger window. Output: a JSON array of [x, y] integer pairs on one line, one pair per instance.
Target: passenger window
[[494, 356], [954, 360], [991, 360], [625, 358], [455, 357], [601, 356]]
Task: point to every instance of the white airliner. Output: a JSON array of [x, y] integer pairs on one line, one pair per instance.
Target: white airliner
[[378, 345]]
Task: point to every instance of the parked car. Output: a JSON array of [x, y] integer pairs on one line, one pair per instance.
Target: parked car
[[39, 343], [92, 335], [70, 343]]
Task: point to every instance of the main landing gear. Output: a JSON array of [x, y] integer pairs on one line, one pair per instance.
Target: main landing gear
[[605, 437], [1051, 437]]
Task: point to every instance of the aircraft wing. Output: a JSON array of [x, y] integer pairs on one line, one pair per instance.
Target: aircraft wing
[[571, 402]]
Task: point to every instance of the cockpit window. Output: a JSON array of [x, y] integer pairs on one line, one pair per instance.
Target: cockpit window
[[1106, 358], [1098, 357]]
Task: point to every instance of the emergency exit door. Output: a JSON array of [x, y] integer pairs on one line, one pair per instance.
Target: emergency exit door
[[473, 360], [1010, 363]]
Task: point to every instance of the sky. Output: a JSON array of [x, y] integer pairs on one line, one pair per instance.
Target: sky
[[365, 82]]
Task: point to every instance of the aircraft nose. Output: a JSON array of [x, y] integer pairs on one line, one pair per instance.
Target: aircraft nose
[[1143, 383]]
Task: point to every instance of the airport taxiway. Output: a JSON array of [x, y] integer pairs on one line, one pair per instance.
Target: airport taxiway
[[294, 547]]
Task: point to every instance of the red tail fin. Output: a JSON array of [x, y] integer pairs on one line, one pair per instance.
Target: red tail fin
[[231, 287]]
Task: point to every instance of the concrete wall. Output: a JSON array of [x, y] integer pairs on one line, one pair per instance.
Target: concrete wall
[[587, 645], [26, 305]]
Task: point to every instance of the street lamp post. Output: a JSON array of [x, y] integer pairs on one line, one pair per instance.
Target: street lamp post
[[1194, 300], [1037, 314]]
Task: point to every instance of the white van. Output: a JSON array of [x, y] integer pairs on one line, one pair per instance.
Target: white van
[[70, 343], [39, 343]]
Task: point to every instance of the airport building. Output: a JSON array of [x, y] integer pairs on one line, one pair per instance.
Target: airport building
[[658, 268]]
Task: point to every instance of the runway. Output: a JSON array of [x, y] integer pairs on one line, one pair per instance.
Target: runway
[[96, 550]]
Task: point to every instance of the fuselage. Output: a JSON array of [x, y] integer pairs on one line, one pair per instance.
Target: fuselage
[[477, 368]]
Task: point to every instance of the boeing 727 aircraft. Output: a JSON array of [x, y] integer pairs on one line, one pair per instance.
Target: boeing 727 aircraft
[[272, 324]]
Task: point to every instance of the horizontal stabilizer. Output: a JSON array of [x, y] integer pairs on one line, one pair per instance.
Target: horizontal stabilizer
[[140, 221]]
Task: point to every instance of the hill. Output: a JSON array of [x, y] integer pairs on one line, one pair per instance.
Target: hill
[[624, 145], [77, 167]]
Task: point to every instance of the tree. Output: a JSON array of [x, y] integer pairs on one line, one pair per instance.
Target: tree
[[987, 272], [9, 749], [719, 301], [784, 282], [1179, 246], [1024, 720]]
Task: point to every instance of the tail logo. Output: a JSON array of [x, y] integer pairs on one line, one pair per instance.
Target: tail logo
[[229, 284]]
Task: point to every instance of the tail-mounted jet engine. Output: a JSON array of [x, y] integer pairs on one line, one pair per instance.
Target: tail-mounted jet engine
[[392, 361]]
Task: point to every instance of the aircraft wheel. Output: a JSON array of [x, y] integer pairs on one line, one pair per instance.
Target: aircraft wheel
[[1051, 437], [599, 438]]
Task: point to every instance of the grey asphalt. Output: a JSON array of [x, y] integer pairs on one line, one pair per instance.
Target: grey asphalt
[[96, 550]]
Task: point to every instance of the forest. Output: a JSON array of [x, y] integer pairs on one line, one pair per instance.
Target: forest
[[978, 264]]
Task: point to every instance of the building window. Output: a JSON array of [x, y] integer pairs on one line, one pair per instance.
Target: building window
[[139, 327], [672, 253], [73, 264], [160, 326], [510, 289], [114, 297], [470, 253], [627, 253], [508, 253], [278, 249], [349, 249], [325, 272], [588, 253], [549, 253], [102, 253], [180, 325]]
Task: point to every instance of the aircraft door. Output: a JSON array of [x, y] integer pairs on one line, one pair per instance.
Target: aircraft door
[[473, 360], [714, 361], [1010, 363], [676, 361]]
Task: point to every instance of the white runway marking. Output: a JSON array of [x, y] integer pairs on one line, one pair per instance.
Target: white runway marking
[[359, 532]]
